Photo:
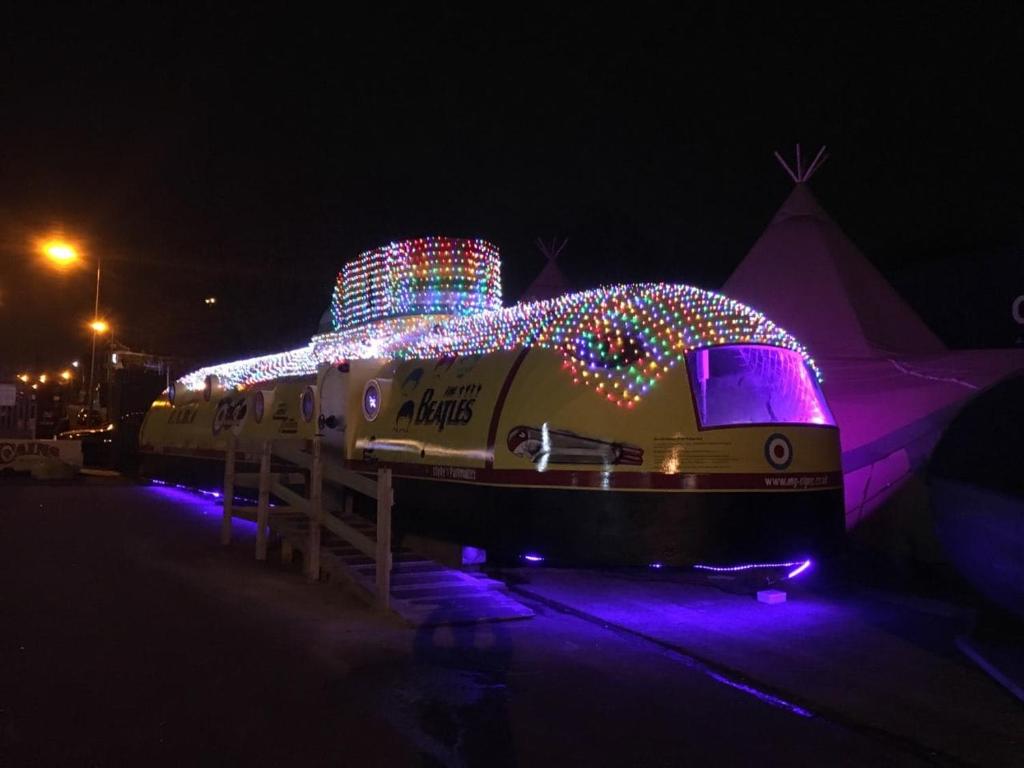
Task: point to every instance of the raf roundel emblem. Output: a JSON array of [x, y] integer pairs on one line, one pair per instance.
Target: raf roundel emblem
[[778, 451]]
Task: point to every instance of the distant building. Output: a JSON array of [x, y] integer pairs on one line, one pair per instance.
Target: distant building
[[17, 410], [33, 410]]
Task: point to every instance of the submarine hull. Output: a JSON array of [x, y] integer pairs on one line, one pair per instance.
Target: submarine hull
[[622, 528], [572, 526], [502, 451]]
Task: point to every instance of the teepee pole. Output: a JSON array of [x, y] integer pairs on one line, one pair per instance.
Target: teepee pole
[[819, 160], [786, 168], [802, 174]]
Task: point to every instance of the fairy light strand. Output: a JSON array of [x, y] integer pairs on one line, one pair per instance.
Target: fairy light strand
[[436, 297]]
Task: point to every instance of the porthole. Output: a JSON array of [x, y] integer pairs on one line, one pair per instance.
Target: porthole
[[371, 400], [307, 404]]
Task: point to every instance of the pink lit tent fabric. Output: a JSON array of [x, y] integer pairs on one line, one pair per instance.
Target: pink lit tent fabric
[[891, 383]]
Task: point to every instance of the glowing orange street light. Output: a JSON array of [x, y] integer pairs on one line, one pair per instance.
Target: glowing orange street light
[[23, 377], [42, 378], [60, 252], [66, 375], [63, 254]]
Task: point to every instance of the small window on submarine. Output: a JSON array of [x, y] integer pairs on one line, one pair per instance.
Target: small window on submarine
[[755, 384], [608, 350]]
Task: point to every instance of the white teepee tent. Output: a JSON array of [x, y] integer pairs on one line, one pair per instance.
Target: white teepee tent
[[892, 385], [550, 282], [806, 275]]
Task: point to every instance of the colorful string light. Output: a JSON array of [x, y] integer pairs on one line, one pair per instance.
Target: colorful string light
[[245, 373], [428, 275], [436, 297]]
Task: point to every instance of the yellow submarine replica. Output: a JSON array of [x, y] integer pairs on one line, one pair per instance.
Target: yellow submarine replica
[[631, 424]]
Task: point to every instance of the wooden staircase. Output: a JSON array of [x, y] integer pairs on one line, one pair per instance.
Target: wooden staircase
[[346, 547]]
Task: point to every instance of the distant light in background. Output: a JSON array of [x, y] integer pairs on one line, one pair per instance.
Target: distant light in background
[[113, 358], [100, 326], [66, 375], [210, 300], [23, 377], [74, 363], [42, 378]]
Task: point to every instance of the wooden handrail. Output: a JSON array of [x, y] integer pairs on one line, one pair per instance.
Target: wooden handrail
[[380, 489], [383, 556], [229, 491], [294, 453], [360, 541], [316, 513], [263, 505]]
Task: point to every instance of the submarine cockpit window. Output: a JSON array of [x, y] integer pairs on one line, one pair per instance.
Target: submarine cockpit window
[[755, 384]]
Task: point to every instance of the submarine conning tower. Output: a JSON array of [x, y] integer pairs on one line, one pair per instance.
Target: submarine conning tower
[[422, 276]]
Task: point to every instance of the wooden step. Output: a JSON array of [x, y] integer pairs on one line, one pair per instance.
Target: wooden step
[[423, 591]]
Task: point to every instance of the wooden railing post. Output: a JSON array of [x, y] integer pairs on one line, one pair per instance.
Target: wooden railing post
[[229, 491], [315, 513], [263, 508], [384, 502]]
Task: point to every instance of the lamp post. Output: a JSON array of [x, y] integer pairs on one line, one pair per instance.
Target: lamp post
[[62, 255], [98, 326]]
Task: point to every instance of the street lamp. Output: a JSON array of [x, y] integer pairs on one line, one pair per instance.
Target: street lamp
[[98, 326], [62, 254]]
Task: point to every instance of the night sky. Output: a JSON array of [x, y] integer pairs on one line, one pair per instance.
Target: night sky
[[218, 153]]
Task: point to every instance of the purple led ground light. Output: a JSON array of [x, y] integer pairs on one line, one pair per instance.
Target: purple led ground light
[[798, 566], [799, 569]]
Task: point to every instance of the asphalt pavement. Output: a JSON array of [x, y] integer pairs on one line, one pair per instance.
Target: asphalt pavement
[[129, 636]]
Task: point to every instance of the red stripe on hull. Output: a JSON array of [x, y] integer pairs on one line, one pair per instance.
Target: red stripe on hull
[[592, 480], [614, 479]]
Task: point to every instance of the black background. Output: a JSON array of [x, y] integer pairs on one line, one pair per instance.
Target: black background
[[247, 155]]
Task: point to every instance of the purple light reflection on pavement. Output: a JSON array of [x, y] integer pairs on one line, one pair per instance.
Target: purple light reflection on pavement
[[767, 698], [195, 503], [635, 615]]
